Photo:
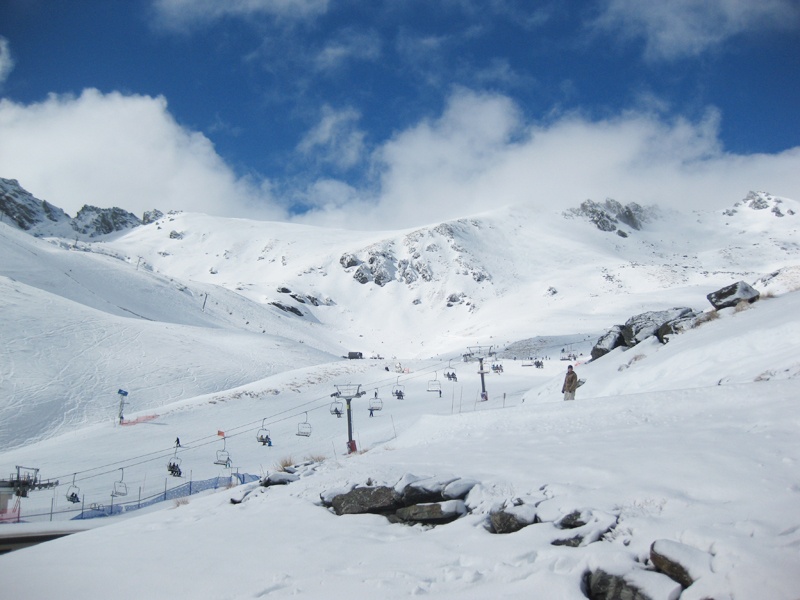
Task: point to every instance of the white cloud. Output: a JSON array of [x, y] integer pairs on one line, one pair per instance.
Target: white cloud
[[336, 138], [479, 155], [118, 150], [678, 28], [180, 14], [348, 45], [6, 61]]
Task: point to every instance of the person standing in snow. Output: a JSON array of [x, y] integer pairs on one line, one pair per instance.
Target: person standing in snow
[[570, 384]]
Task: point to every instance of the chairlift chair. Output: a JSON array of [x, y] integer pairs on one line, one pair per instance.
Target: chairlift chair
[[434, 385], [398, 390], [223, 457], [304, 428], [120, 487], [337, 408], [174, 464], [263, 435], [174, 467], [375, 404], [74, 492]]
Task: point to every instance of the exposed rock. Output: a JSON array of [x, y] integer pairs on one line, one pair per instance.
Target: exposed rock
[[573, 520], [348, 260], [608, 341], [379, 499], [437, 513], [505, 522], [607, 215], [732, 294], [151, 216], [635, 585], [175, 235], [424, 490], [642, 326], [572, 542], [94, 221], [279, 478], [291, 309], [679, 562]]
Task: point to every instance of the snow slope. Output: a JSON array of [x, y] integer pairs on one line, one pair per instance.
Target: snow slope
[[694, 441]]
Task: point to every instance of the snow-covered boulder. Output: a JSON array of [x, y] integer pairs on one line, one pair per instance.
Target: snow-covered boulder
[[680, 562], [434, 513], [732, 294]]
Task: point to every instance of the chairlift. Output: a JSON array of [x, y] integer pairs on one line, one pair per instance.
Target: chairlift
[[451, 372], [174, 465], [120, 487], [399, 390], [375, 404], [304, 428], [263, 435], [434, 385], [74, 492], [337, 408], [223, 457]]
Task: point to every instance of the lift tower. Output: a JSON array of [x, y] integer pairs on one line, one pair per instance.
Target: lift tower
[[349, 391], [481, 352]]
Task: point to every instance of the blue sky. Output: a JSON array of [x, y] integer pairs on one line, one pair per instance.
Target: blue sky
[[397, 113]]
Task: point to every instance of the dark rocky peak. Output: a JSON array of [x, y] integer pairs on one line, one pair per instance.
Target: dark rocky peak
[[21, 209], [93, 221], [607, 216]]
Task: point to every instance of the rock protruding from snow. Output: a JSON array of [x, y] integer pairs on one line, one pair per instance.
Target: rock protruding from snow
[[679, 562], [434, 513], [660, 323], [425, 500], [361, 500], [760, 201], [733, 294], [634, 585], [608, 215]]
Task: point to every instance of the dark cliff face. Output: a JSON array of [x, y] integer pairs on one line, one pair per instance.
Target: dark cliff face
[[21, 209]]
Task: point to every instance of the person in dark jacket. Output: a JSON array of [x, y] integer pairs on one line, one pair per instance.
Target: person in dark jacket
[[570, 384]]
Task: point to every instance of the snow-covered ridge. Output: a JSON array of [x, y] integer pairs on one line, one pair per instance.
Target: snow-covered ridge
[[21, 209]]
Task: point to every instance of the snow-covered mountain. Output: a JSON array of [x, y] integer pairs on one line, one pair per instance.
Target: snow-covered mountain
[[21, 209], [233, 325], [427, 292]]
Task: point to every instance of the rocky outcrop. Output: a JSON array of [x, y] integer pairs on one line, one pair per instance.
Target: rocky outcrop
[[733, 294], [760, 201], [428, 501], [643, 325], [660, 323], [608, 215], [681, 563], [22, 209], [633, 585]]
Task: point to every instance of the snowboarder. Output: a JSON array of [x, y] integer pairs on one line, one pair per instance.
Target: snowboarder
[[570, 384], [177, 442]]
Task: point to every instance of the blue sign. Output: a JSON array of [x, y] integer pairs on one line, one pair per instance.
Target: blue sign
[[122, 392]]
